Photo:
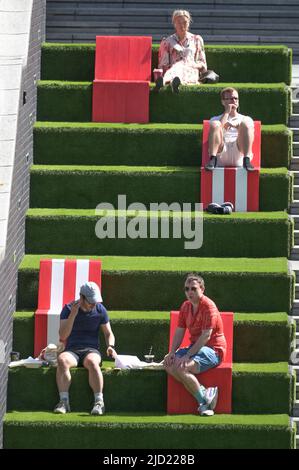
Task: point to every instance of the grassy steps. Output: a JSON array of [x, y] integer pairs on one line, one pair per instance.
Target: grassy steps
[[234, 63], [75, 234], [144, 430], [65, 186], [146, 390], [79, 164], [77, 143], [235, 284], [258, 337], [72, 101]]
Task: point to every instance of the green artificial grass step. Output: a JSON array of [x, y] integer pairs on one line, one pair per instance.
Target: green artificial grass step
[[65, 186], [72, 101], [241, 63], [155, 283], [82, 232], [261, 388], [258, 337], [141, 144], [146, 431]]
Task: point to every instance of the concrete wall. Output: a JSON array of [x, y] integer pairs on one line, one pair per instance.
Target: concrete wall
[[22, 29]]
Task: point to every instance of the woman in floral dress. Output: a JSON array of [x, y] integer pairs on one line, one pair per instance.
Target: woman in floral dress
[[181, 55]]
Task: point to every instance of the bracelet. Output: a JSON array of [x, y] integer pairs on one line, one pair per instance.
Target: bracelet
[[110, 346]]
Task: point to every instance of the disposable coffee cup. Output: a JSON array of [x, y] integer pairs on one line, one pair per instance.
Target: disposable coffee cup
[[158, 73], [14, 356], [149, 357]]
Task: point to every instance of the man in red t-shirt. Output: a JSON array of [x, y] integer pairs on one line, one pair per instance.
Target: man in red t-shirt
[[208, 345]]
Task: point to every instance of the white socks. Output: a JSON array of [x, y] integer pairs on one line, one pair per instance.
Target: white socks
[[98, 397], [64, 396]]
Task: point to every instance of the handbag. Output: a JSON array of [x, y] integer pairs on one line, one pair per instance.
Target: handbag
[[209, 77]]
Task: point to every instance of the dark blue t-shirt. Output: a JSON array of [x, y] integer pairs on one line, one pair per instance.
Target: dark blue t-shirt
[[85, 332]]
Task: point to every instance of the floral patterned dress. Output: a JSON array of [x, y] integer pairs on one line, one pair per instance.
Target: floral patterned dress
[[179, 58]]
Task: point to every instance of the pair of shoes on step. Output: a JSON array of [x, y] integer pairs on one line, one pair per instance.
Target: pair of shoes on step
[[225, 208], [211, 397], [212, 163], [63, 407], [174, 84]]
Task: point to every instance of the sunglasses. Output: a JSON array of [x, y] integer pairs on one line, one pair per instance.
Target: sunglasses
[[190, 288]]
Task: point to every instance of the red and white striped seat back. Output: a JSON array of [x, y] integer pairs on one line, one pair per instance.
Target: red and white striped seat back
[[231, 184], [59, 283]]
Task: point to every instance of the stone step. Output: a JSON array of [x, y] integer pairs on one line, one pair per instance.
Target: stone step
[[265, 6], [295, 252], [297, 292], [295, 133], [296, 106], [295, 149], [294, 121], [295, 412], [296, 237], [296, 191], [295, 308], [294, 166], [294, 208], [296, 178]]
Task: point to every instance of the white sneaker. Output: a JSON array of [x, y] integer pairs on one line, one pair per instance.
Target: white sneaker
[[98, 408], [211, 397], [62, 407], [204, 410]]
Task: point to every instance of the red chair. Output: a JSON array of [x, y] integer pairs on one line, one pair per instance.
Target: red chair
[[59, 283], [231, 184], [179, 400], [122, 77]]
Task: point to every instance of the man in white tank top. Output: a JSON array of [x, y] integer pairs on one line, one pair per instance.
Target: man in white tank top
[[231, 135]]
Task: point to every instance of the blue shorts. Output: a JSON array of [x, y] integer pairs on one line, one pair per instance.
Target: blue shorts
[[206, 358]]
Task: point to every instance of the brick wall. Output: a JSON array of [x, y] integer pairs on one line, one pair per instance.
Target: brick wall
[[20, 192]]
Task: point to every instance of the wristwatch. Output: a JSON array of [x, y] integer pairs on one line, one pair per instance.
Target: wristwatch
[[110, 346]]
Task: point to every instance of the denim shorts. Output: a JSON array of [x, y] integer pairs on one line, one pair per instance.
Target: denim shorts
[[81, 353], [206, 358]]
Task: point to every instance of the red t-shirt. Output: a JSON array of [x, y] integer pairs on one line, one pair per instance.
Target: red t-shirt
[[207, 317]]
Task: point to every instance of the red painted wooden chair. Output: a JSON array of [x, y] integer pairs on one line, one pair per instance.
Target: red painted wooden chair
[[122, 77], [179, 400]]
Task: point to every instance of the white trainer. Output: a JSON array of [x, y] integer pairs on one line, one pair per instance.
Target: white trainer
[[98, 408], [62, 407], [211, 397]]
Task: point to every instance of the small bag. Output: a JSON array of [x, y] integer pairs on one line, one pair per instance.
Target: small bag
[[209, 77]]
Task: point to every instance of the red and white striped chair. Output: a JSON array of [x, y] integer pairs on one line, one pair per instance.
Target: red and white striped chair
[[59, 283], [231, 184]]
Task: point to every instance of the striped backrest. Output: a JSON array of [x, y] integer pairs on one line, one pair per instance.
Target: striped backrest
[[59, 283]]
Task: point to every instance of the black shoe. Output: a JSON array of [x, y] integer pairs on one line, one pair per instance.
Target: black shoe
[[215, 208], [212, 164], [247, 164], [175, 84], [159, 83], [228, 204]]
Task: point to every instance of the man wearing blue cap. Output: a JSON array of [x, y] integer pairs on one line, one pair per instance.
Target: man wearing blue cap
[[80, 322]]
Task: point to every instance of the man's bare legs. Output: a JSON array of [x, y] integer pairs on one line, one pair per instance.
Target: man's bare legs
[[245, 137], [65, 361], [95, 377], [215, 143]]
